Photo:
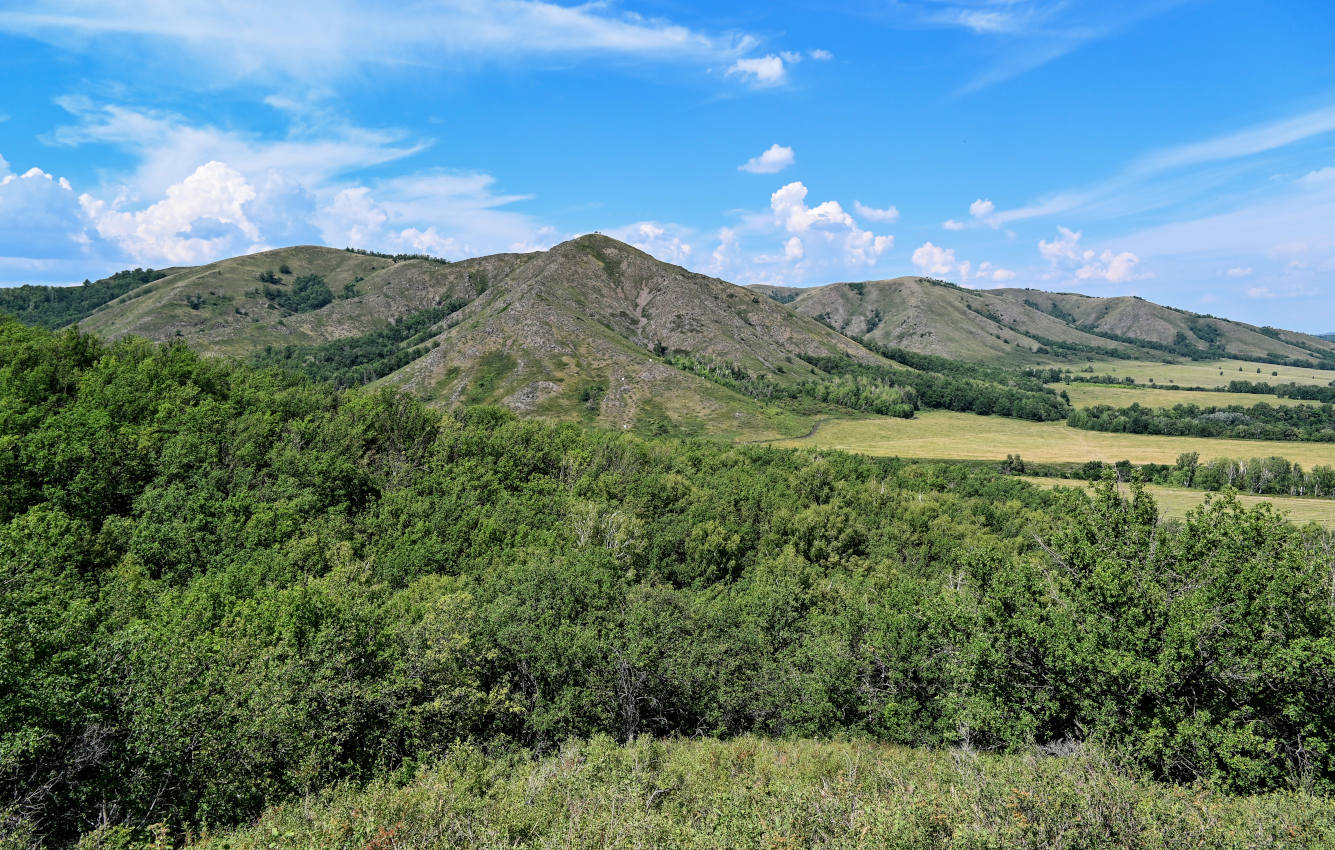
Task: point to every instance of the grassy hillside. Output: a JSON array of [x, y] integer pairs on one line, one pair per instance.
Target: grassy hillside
[[1028, 326], [765, 794], [934, 317], [580, 332]]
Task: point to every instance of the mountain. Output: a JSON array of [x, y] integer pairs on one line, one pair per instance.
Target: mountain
[[585, 330], [1029, 326]]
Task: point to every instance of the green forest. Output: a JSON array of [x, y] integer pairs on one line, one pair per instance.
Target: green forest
[[229, 589]]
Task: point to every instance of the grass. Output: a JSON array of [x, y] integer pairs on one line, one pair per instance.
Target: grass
[[966, 436], [1088, 395], [761, 793], [1176, 501], [1205, 373]]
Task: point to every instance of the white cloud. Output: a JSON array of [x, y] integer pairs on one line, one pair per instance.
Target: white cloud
[[665, 241], [297, 188], [934, 260], [727, 253], [1066, 257], [168, 147], [820, 55], [952, 224], [793, 249], [996, 274], [200, 219], [1239, 271], [774, 159], [793, 214], [792, 57], [40, 215], [257, 37], [981, 208], [938, 261], [1260, 292], [760, 71], [889, 215]]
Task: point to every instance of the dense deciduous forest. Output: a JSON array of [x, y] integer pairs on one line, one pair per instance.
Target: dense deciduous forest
[[224, 586]]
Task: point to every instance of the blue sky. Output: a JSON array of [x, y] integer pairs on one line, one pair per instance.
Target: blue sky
[[1181, 151]]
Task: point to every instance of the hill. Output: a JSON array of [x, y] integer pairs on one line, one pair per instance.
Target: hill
[[1028, 326], [582, 331]]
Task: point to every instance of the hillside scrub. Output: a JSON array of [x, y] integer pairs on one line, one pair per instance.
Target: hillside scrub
[[761, 793], [227, 587]]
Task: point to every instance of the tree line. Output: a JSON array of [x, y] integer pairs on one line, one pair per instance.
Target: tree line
[[1303, 422]]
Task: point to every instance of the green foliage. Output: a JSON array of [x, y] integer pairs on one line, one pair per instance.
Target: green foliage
[[58, 306], [309, 292], [225, 587], [397, 258]]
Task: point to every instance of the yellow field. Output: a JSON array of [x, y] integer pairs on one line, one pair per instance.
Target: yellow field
[[1176, 501], [967, 436], [1088, 395], [1205, 373]]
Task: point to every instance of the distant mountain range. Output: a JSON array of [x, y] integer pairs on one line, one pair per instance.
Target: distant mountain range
[[596, 330]]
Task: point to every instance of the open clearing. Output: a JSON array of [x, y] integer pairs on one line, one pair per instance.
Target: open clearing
[[967, 436], [1088, 395], [1176, 501], [1205, 373]]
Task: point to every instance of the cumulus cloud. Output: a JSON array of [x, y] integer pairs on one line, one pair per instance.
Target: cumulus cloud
[[939, 261], [200, 219], [820, 55], [773, 160], [994, 273], [199, 193], [952, 224], [40, 215], [1239, 271], [665, 241], [981, 208], [829, 223], [889, 215], [1066, 256], [934, 260], [760, 71]]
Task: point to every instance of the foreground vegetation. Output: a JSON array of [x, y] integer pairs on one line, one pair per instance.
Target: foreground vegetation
[[762, 793], [227, 588]]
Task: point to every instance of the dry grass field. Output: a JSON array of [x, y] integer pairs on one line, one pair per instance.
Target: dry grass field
[[1176, 501], [1206, 373], [1088, 395], [967, 436]]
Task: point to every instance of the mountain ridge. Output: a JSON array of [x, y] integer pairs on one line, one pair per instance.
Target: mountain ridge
[[598, 331]]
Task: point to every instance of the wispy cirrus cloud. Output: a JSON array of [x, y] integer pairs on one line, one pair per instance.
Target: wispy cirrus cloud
[[1021, 35], [320, 42], [1171, 174]]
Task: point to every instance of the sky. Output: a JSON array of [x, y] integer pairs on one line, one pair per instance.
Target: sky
[[1180, 151]]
